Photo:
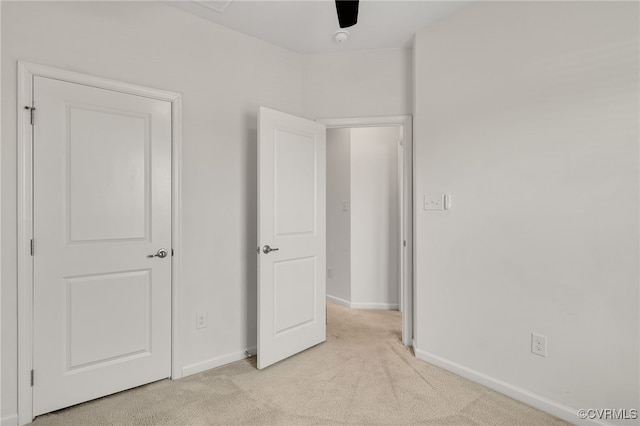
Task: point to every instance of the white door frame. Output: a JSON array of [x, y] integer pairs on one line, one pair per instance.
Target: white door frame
[[406, 207], [26, 72]]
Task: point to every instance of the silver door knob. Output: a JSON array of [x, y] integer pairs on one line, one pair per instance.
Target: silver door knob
[[266, 249], [162, 253]]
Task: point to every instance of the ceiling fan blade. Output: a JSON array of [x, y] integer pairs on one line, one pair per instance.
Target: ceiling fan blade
[[347, 12]]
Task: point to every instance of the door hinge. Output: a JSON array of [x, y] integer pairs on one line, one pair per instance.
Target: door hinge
[[32, 112], [32, 378], [171, 252], [404, 243], [32, 247]]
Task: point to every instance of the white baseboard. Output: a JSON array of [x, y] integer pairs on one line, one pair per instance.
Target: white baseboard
[[11, 420], [356, 305], [547, 405], [339, 301], [382, 306], [199, 367]]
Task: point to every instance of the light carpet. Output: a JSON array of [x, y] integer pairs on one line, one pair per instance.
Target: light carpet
[[362, 375]]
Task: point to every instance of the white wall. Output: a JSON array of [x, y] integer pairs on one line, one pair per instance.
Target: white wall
[[526, 113], [374, 217], [358, 84], [223, 76], [1, 332], [339, 220]]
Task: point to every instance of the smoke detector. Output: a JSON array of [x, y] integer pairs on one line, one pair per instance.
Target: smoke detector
[[341, 36]]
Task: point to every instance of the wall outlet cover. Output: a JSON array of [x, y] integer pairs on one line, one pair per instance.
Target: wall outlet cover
[[201, 319], [538, 344], [435, 202]]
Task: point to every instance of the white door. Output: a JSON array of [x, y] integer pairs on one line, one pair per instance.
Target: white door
[[102, 206], [291, 235]]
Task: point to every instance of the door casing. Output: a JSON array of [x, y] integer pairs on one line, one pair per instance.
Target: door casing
[[26, 72], [407, 288]]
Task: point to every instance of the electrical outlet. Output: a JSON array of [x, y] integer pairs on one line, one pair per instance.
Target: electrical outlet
[[539, 344], [329, 272], [435, 202], [201, 319], [345, 205]]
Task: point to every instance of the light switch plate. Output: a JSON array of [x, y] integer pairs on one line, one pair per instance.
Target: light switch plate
[[437, 202]]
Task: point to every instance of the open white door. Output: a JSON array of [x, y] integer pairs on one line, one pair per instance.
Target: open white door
[[291, 235]]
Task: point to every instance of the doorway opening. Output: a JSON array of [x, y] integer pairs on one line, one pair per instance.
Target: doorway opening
[[369, 215]]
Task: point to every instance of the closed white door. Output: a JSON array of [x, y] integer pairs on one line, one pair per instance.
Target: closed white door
[[102, 206], [291, 235]]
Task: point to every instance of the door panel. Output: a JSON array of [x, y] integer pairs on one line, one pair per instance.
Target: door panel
[[291, 219], [294, 303], [124, 331], [107, 174], [102, 205], [295, 183]]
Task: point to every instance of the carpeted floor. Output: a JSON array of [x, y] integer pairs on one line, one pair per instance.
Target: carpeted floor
[[362, 375]]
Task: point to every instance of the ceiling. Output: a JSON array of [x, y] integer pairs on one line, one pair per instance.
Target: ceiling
[[308, 26]]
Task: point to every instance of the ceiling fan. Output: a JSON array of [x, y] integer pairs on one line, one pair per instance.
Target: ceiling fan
[[347, 12]]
